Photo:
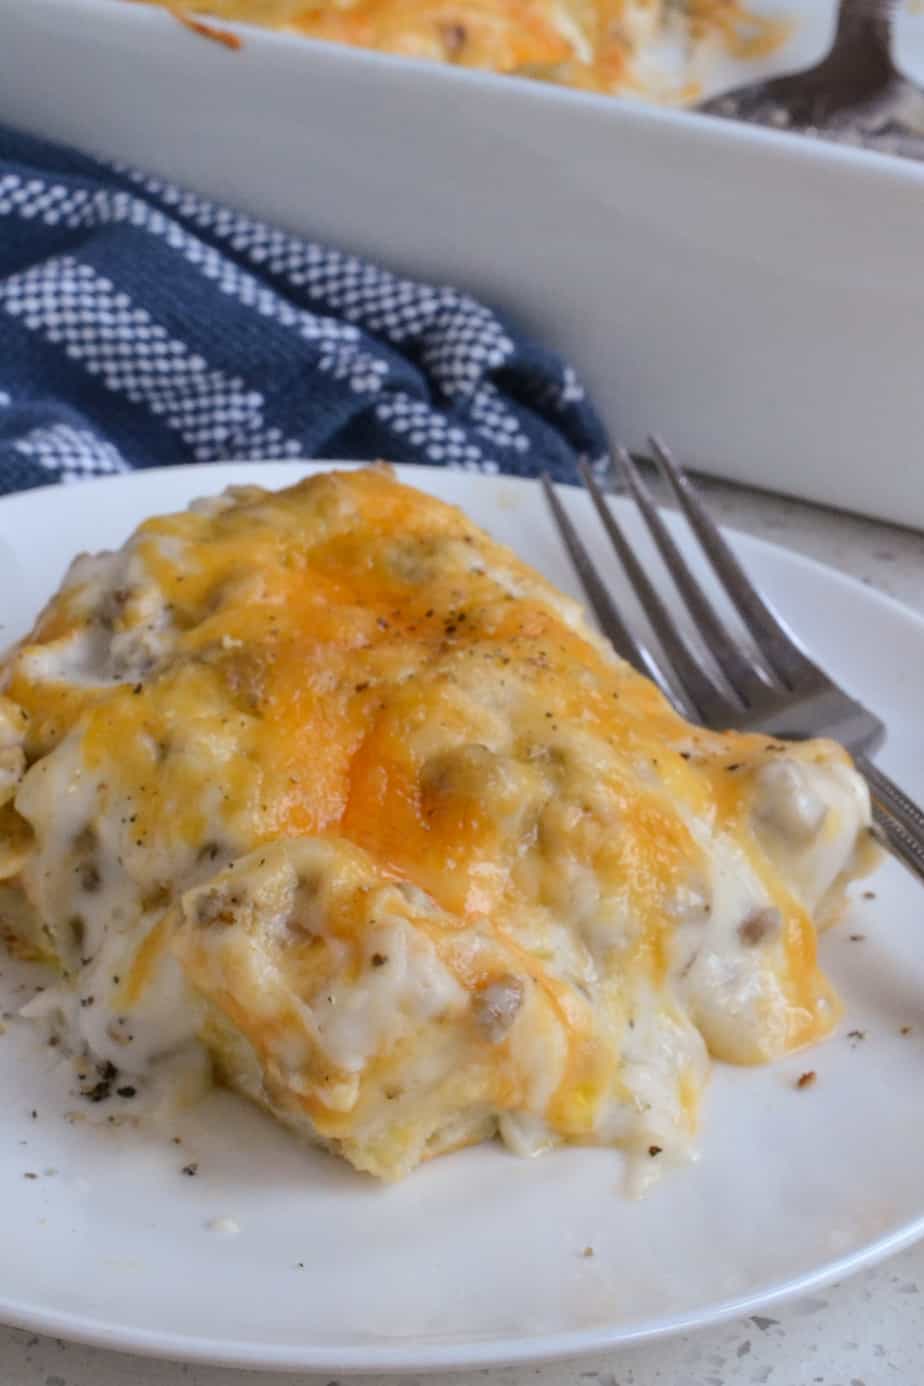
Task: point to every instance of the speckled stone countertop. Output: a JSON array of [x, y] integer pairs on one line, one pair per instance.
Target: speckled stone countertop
[[866, 1331]]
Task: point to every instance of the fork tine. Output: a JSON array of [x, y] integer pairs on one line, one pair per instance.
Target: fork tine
[[737, 668], [709, 701], [772, 639], [605, 609]]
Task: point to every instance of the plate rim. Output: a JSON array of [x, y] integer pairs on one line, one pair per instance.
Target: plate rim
[[497, 1353]]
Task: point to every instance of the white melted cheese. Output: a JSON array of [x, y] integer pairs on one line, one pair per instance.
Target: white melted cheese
[[808, 817], [61, 798], [402, 985]]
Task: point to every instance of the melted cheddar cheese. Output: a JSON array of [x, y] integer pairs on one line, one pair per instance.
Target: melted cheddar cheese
[[331, 784], [594, 45]]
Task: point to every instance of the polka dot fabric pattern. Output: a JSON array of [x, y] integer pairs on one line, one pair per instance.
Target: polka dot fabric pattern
[[142, 325]]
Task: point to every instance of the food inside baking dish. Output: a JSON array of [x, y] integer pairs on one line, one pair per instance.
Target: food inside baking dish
[[330, 788], [657, 48]]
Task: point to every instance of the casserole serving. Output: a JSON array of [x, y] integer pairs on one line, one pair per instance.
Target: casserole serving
[[328, 784]]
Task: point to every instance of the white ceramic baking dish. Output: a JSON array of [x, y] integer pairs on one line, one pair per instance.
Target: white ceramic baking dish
[[757, 299]]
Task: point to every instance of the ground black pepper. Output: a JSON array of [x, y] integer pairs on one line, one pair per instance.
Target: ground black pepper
[[106, 1074]]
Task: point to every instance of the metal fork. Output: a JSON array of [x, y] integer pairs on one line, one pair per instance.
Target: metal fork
[[855, 93], [787, 695]]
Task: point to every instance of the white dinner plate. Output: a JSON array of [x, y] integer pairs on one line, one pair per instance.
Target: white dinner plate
[[478, 1258]]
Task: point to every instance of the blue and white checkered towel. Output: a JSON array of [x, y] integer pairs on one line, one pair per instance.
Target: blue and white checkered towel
[[142, 325]]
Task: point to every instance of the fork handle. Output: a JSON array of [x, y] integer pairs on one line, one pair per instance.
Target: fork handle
[[899, 823], [864, 20]]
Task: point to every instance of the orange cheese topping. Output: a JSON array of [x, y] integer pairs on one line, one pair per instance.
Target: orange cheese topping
[[593, 45]]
